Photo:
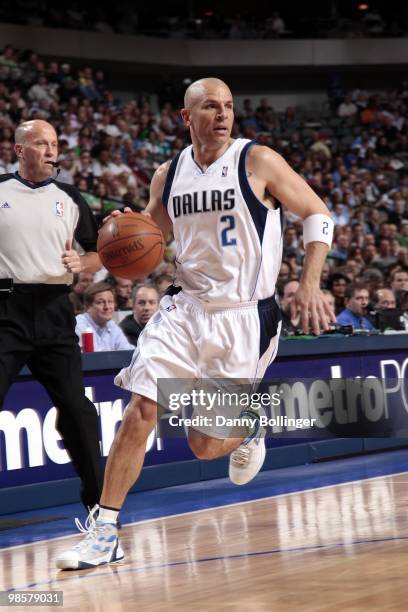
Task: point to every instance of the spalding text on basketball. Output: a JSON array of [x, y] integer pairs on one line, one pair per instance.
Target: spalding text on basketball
[[120, 252]]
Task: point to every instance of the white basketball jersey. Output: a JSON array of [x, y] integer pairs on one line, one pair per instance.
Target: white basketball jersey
[[229, 244]]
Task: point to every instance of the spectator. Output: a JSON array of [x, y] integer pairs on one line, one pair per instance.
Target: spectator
[[402, 303], [117, 166], [347, 108], [399, 281], [290, 324], [102, 163], [70, 135], [80, 284], [7, 163], [100, 306], [340, 250], [123, 291], [384, 259], [340, 214], [67, 169], [163, 282], [275, 26], [384, 298], [356, 301], [41, 90], [336, 284], [325, 274], [284, 275], [369, 253], [86, 85], [291, 239], [145, 298]]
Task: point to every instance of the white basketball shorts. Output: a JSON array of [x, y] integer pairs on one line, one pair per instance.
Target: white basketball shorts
[[191, 341]]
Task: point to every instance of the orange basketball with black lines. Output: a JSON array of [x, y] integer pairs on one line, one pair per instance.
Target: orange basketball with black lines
[[130, 245]]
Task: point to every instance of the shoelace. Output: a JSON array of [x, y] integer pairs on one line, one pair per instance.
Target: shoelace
[[89, 527], [241, 456], [93, 538], [89, 521]]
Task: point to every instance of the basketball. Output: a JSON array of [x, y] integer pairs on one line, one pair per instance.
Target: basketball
[[130, 245]]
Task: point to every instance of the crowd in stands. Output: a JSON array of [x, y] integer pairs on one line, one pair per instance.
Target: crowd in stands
[[114, 310], [353, 153], [234, 21]]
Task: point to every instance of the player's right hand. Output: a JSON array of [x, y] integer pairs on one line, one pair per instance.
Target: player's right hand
[[116, 213]]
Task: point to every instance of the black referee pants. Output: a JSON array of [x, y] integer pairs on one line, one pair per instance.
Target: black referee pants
[[37, 328]]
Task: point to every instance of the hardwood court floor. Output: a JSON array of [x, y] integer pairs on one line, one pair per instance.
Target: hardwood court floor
[[339, 548]]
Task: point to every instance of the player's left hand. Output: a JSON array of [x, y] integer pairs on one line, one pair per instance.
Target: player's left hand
[[71, 259], [315, 312]]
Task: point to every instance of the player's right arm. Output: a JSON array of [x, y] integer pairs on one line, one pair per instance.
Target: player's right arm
[[155, 207]]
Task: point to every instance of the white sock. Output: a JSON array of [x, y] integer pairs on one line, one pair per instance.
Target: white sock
[[107, 515]]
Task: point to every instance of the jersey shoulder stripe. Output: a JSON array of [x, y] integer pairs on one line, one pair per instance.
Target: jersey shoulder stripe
[[256, 209], [169, 179]]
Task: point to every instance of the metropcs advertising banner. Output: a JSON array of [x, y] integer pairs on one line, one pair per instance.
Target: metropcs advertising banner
[[317, 397]]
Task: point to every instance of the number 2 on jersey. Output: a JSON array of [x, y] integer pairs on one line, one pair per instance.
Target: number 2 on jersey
[[225, 239]]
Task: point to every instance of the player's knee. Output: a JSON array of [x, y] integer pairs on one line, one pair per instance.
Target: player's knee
[[204, 447]]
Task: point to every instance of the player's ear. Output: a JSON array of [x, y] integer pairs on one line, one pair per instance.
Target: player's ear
[[18, 148], [185, 115]]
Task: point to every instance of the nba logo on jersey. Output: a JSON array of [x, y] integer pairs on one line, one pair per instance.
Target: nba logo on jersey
[[59, 209], [224, 171]]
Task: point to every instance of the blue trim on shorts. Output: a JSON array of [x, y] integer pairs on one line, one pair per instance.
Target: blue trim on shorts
[[269, 317]]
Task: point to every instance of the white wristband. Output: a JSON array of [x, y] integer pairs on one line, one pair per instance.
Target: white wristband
[[318, 228]]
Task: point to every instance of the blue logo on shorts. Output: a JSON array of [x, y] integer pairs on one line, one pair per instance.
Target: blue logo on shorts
[[171, 307]]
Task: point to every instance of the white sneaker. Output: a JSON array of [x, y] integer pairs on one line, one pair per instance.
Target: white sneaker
[[248, 458], [99, 546]]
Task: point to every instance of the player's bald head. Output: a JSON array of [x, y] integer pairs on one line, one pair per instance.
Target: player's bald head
[[201, 88], [28, 128]]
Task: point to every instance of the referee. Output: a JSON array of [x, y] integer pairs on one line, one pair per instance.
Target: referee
[[42, 224]]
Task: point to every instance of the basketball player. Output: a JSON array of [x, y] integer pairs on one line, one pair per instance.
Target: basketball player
[[222, 198]]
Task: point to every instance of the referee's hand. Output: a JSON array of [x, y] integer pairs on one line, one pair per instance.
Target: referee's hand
[[71, 259]]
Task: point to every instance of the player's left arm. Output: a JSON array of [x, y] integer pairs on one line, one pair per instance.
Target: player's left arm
[[295, 194]]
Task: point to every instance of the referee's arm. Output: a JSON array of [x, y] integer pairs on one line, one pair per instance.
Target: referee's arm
[[86, 233], [90, 262]]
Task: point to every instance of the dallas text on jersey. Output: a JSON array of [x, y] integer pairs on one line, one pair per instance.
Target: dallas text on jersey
[[203, 201]]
